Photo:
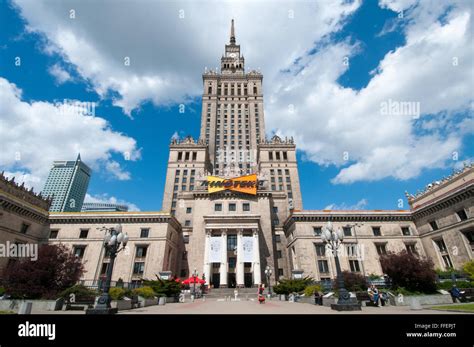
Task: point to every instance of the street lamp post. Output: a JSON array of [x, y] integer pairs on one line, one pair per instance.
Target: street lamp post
[[268, 274], [333, 238], [114, 242], [195, 274]]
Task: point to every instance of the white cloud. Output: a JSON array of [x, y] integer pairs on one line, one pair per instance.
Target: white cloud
[[61, 75], [169, 43], [350, 130], [105, 198], [360, 205], [167, 53], [37, 133]]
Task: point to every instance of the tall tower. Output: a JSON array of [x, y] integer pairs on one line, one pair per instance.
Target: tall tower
[[67, 183], [232, 121]]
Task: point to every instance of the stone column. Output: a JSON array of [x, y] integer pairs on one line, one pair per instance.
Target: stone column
[[207, 265], [257, 272], [240, 261], [223, 267]]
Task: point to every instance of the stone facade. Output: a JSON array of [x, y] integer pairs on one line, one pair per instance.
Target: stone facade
[[23, 216], [158, 233]]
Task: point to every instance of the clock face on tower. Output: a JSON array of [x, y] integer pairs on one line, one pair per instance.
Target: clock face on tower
[[232, 55]]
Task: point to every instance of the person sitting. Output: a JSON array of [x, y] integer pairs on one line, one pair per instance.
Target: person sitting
[[373, 294], [318, 298]]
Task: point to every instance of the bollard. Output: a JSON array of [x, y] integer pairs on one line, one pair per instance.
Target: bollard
[[25, 308]]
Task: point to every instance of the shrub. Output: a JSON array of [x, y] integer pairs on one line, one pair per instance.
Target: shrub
[[415, 274], [288, 286], [79, 291], [446, 285], [164, 287], [405, 292], [353, 282], [310, 290], [448, 274], [2, 290], [469, 269], [117, 293], [56, 269], [145, 292]]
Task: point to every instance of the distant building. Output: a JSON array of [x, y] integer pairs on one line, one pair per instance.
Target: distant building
[[67, 184], [23, 217], [103, 207]]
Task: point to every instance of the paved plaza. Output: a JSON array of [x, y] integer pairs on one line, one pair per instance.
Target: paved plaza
[[253, 307]]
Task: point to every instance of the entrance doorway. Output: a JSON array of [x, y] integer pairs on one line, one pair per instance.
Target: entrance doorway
[[248, 280], [231, 281], [216, 280]]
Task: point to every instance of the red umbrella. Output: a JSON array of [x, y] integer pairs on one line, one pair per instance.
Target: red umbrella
[[194, 280]]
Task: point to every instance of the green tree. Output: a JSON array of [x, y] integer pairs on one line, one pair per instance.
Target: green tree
[[469, 269]]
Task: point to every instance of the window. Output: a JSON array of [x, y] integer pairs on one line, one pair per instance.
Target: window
[[189, 210], [347, 231], [232, 261], [246, 206], [187, 223], [354, 264], [186, 157], [232, 207], [381, 248], [406, 231], [79, 251], [277, 155], [231, 242], [280, 272], [275, 209], [317, 231], [141, 251], [186, 238], [83, 234], [279, 255], [447, 261], [277, 238], [434, 225], [323, 266], [320, 250], [376, 231], [194, 156], [411, 248], [103, 269], [441, 246], [54, 234], [144, 232], [270, 155], [138, 268], [352, 250], [24, 228], [180, 156], [462, 215], [218, 207]]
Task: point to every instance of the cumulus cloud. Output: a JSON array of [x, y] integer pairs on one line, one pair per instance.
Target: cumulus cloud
[[105, 198], [34, 134], [61, 75], [154, 52], [360, 205], [351, 130]]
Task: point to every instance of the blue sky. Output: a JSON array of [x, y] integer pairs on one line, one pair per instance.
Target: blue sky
[[78, 59]]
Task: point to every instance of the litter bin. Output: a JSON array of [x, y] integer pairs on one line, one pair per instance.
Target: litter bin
[[162, 300]]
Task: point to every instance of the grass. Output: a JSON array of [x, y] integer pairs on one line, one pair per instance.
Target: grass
[[458, 308], [6, 312]]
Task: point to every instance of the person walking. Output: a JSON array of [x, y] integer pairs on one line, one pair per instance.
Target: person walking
[[261, 297]]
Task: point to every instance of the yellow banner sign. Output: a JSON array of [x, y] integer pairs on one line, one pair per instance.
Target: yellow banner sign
[[243, 184]]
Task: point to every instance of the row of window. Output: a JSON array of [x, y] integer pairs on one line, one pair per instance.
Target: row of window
[[84, 233], [187, 156], [232, 207], [461, 214], [376, 230], [277, 155]]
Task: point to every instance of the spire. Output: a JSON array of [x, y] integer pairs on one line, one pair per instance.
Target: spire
[[78, 157], [232, 33]]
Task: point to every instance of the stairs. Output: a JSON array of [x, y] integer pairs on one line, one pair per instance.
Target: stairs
[[222, 293]]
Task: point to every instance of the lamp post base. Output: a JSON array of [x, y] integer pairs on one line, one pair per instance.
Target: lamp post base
[[346, 307], [94, 310]]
